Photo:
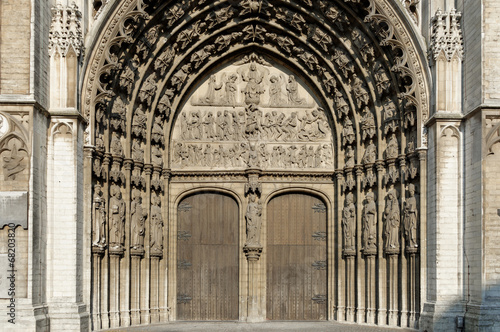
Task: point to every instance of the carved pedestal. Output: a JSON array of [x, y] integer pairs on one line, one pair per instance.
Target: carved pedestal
[[253, 254]]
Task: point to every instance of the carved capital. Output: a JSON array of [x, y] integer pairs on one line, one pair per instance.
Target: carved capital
[[127, 164], [252, 252]]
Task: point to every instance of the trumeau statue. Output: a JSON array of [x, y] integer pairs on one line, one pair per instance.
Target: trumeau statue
[[392, 222], [253, 218], [116, 219]]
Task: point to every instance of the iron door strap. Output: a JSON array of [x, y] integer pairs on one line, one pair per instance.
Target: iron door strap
[[183, 235], [319, 299], [319, 265], [184, 265], [319, 236], [183, 298], [319, 208], [184, 207]]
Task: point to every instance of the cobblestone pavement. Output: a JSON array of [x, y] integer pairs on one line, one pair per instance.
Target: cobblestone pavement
[[265, 326]]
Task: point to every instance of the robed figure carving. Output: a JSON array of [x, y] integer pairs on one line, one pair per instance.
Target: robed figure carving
[[253, 218], [156, 236], [370, 224], [116, 219], [410, 219], [138, 218], [392, 222], [99, 231], [349, 224]]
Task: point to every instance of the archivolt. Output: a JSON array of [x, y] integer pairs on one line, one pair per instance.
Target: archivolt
[[363, 53]]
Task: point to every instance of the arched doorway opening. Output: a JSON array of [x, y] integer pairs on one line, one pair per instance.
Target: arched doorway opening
[[296, 258]]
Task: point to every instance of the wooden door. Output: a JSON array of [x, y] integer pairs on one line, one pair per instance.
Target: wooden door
[[296, 258], [207, 253]]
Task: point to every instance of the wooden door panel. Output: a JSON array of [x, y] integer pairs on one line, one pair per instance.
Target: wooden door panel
[[296, 259], [207, 266]]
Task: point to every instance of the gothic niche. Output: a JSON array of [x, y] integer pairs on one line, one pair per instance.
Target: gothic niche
[[252, 114]]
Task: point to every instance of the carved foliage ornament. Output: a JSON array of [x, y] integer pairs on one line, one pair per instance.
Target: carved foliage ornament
[[446, 36]]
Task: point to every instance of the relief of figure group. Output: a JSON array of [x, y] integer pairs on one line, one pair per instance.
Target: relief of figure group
[[253, 123], [245, 154]]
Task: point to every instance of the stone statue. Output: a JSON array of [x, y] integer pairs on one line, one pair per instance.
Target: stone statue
[[230, 90], [292, 88], [253, 218], [116, 145], [349, 156], [369, 223], [148, 89], [156, 235], [213, 87], [392, 222], [99, 214], [368, 127], [348, 135], [137, 220], [253, 89], [410, 218], [275, 99], [116, 219], [370, 154], [349, 223], [137, 151], [392, 147], [139, 121]]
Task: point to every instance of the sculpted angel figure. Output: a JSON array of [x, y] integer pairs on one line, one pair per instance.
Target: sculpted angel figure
[[213, 87], [275, 99], [292, 88]]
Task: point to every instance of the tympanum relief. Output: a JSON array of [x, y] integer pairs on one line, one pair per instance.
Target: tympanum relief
[[252, 114]]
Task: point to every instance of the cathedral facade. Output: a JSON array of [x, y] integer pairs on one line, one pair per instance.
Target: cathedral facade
[[248, 161]]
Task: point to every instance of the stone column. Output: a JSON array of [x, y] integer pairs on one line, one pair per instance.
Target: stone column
[[253, 254], [382, 264]]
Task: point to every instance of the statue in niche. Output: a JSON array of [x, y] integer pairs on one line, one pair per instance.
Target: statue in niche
[[139, 121], [156, 233], [253, 89], [292, 88], [117, 219], [119, 114], [369, 223], [138, 221], [253, 218], [179, 77], [349, 156], [343, 62], [165, 105], [199, 56], [116, 145], [99, 214], [392, 221], [148, 89], [185, 133], [157, 155], [348, 135], [410, 218], [341, 104], [275, 91], [391, 120], [127, 78], [368, 124], [370, 154], [213, 87], [349, 223], [382, 79], [327, 155], [99, 143], [392, 147], [360, 93], [137, 151], [209, 126], [157, 130], [230, 90]]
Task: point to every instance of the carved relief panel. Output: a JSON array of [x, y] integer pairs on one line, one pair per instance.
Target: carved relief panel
[[252, 114]]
